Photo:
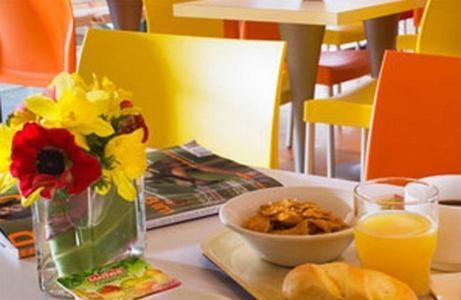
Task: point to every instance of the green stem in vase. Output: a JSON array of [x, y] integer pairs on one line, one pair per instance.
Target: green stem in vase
[[89, 230]]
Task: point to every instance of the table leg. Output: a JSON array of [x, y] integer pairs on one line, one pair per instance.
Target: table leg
[[381, 35], [125, 14], [303, 52]]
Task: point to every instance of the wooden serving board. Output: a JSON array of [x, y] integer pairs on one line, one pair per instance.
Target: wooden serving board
[[264, 280], [260, 278]]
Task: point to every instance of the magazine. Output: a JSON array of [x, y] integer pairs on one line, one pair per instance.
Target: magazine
[[15, 225], [130, 278], [181, 183], [188, 181]]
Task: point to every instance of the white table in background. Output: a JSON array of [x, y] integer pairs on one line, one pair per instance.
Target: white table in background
[[176, 250]]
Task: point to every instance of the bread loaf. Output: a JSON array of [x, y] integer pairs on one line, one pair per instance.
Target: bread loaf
[[341, 281]]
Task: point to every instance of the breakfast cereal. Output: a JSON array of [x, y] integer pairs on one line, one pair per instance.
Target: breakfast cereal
[[294, 217]]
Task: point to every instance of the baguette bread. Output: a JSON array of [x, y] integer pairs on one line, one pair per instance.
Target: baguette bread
[[341, 281]]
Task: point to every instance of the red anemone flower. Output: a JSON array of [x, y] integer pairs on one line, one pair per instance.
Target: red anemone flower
[[50, 159]]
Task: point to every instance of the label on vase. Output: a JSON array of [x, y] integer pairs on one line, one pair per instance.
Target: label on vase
[[130, 278]]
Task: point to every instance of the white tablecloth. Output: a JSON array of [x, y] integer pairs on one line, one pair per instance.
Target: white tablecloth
[[176, 250]]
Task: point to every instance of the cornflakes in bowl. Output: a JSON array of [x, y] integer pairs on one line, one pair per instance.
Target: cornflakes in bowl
[[292, 225], [294, 217]]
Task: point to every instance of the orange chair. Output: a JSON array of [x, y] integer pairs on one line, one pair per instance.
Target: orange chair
[[416, 122], [418, 16], [37, 41], [336, 67]]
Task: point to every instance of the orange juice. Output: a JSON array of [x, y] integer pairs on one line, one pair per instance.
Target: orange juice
[[400, 244]]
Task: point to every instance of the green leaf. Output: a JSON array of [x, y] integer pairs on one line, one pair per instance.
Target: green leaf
[[81, 247]]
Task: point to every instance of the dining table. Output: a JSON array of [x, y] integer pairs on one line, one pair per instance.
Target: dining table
[[302, 25], [176, 249]]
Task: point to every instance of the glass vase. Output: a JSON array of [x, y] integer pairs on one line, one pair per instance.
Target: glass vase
[[85, 231]]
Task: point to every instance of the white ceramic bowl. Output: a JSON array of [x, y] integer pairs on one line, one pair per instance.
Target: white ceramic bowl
[[447, 257], [292, 250]]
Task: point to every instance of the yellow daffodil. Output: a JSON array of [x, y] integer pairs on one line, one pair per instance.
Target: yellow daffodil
[[66, 82], [6, 140], [20, 117], [29, 200], [109, 98], [129, 154], [72, 111], [95, 114], [105, 95], [105, 99]]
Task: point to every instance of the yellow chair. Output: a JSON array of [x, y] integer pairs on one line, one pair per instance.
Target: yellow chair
[[439, 26], [348, 109], [160, 19], [406, 42], [344, 34], [221, 92]]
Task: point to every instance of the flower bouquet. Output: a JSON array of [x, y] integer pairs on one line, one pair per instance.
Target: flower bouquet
[[78, 153]]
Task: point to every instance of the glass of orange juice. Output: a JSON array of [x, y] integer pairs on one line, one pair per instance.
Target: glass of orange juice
[[396, 229]]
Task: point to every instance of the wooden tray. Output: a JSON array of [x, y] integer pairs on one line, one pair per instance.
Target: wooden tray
[[263, 280], [234, 257]]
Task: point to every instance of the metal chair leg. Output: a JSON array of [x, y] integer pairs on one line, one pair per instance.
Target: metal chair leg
[[289, 136], [340, 88], [309, 163], [331, 166], [331, 143], [363, 152], [331, 91]]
